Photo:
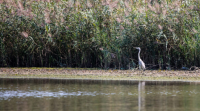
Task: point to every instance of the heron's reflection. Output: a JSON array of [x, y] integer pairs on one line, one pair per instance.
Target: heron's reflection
[[141, 95]]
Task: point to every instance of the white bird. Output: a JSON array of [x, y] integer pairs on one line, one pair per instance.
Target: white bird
[[140, 62]]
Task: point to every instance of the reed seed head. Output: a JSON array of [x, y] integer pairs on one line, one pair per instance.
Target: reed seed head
[[24, 34]]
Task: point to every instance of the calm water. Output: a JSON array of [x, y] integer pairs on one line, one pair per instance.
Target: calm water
[[99, 95]]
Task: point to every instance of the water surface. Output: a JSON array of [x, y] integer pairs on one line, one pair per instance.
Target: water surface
[[98, 95]]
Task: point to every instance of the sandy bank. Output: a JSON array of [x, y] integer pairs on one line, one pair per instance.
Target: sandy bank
[[69, 73]]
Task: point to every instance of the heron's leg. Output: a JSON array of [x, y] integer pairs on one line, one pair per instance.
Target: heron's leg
[[143, 72]]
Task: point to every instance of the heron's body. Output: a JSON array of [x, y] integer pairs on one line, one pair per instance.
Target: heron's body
[[140, 62]]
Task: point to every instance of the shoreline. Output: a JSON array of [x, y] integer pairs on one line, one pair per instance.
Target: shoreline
[[99, 74]]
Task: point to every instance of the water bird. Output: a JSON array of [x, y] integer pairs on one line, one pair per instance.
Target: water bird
[[140, 62]]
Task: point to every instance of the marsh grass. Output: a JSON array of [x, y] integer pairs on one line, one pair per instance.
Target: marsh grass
[[98, 33]]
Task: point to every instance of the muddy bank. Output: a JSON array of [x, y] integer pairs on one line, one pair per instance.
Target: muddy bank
[[73, 73]]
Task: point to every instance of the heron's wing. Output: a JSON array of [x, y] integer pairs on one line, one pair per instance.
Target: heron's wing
[[141, 64]]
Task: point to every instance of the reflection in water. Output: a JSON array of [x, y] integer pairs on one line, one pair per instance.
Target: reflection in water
[[98, 95], [10, 94], [141, 96]]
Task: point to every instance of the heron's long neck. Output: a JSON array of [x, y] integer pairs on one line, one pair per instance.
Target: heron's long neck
[[139, 55]]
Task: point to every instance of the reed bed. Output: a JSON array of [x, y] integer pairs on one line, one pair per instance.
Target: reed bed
[[99, 33]]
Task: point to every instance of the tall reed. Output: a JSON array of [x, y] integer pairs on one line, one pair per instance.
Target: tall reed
[[100, 33]]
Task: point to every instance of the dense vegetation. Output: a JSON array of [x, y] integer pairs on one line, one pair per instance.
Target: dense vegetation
[[99, 33]]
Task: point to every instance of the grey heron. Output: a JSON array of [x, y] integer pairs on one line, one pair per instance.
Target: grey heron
[[140, 62]]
